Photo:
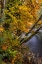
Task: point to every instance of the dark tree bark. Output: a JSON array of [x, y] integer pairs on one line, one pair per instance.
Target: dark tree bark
[[31, 30], [28, 38], [34, 25]]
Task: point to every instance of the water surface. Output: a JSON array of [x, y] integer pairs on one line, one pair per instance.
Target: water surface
[[35, 45]]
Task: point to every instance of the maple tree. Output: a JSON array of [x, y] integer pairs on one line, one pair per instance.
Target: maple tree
[[19, 18]]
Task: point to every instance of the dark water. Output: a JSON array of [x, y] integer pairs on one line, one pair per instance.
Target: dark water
[[35, 45]]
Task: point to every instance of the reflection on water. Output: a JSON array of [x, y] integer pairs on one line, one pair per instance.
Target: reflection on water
[[35, 45]]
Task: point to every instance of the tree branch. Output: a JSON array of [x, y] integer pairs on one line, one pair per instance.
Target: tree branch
[[28, 38], [34, 25]]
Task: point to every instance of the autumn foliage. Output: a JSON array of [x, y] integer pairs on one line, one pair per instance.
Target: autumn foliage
[[19, 18]]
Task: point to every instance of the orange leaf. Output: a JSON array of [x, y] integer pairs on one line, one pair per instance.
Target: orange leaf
[[4, 47]]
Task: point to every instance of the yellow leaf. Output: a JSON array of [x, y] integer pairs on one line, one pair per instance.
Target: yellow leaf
[[1, 29]]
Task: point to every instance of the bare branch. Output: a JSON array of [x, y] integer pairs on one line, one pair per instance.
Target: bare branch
[[34, 25], [28, 38]]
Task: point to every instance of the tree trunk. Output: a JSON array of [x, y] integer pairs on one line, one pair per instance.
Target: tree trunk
[[34, 25], [28, 38]]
